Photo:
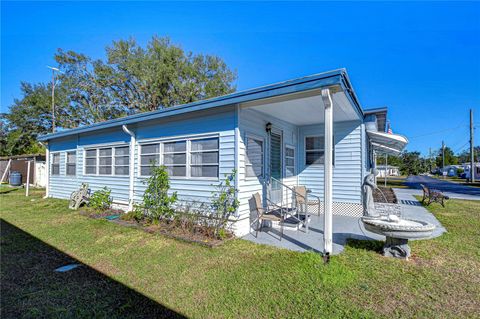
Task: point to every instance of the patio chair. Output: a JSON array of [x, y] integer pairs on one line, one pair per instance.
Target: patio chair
[[302, 196], [275, 214]]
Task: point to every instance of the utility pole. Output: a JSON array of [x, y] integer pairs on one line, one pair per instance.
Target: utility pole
[[472, 157], [443, 158], [53, 96], [430, 159]]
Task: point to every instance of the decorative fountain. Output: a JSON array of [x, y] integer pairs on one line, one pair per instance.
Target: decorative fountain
[[396, 229]]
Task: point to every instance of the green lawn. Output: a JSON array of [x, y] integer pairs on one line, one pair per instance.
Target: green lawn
[[128, 273], [393, 181]]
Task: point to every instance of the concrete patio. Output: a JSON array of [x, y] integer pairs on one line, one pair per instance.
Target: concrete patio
[[344, 227]]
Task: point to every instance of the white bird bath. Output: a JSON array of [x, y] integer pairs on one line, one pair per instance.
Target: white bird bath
[[398, 231]]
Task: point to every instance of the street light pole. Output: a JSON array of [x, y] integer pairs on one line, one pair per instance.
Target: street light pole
[[473, 168], [53, 96]]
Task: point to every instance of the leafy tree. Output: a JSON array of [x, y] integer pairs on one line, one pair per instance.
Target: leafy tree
[[464, 157], [132, 79], [450, 158], [29, 117], [136, 79], [413, 164]]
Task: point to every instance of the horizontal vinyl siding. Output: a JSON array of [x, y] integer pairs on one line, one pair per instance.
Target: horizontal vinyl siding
[[62, 185], [347, 173], [252, 122], [195, 189], [118, 184], [220, 122]]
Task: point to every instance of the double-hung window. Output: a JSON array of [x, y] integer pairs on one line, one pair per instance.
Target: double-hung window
[[289, 161], [149, 157], [107, 161], [71, 163], [91, 162], [55, 164], [314, 150], [254, 159], [190, 158], [175, 158], [204, 157], [122, 160]]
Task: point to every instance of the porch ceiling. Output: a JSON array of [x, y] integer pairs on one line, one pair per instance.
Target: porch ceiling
[[306, 108]]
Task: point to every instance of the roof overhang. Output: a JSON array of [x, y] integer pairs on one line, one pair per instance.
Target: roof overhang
[[336, 78], [385, 143]]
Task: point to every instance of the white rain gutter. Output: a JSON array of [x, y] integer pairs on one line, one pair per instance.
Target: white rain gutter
[[132, 166]]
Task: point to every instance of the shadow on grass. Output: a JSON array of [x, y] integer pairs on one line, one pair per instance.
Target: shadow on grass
[[370, 245], [30, 288], [8, 190]]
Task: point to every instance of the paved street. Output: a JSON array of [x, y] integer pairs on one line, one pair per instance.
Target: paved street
[[451, 189]]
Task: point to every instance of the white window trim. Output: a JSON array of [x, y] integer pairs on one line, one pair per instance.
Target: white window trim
[[59, 163], [188, 139], [66, 162], [312, 150], [187, 158], [139, 157], [294, 160], [258, 138], [97, 147]]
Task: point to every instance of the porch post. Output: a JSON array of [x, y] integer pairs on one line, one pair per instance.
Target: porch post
[[327, 189]]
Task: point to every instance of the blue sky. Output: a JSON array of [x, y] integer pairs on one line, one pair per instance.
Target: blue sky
[[422, 60]]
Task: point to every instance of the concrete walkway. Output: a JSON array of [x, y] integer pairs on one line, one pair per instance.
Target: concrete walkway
[[413, 209], [451, 189]]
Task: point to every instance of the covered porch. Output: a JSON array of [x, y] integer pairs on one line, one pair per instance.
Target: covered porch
[[313, 139]]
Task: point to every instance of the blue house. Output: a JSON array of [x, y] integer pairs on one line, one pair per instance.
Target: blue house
[[310, 131]]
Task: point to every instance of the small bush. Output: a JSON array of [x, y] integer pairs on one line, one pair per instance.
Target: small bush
[[134, 215], [157, 203], [224, 204], [101, 199]]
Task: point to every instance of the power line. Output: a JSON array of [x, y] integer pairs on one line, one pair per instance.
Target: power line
[[438, 132]]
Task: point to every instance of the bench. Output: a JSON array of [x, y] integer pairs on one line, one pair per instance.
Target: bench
[[431, 195]]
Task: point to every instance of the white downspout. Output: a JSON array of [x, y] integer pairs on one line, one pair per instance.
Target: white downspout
[[132, 167], [328, 176]]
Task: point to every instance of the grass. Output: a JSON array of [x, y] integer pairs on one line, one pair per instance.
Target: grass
[[128, 273], [5, 188], [393, 181]]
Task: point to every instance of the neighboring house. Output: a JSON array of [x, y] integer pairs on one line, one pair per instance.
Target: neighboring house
[[451, 170], [387, 170], [466, 168], [273, 131]]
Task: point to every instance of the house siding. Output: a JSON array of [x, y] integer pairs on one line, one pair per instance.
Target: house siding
[[252, 122], [62, 185], [347, 171], [219, 122]]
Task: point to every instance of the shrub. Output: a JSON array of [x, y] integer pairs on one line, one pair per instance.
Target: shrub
[[224, 204], [157, 203], [101, 199]]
